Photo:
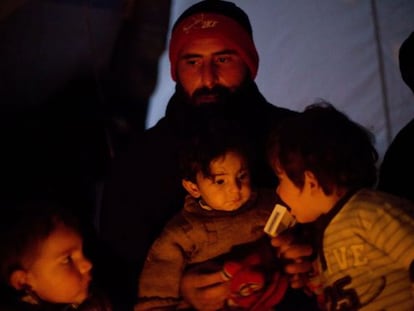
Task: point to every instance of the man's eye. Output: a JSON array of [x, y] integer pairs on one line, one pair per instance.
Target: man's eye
[[223, 59], [192, 61], [219, 181]]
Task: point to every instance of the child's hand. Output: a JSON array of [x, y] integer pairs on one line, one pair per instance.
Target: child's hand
[[296, 258], [204, 291]]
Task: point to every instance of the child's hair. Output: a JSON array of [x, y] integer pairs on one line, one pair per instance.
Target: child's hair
[[24, 227], [211, 141], [326, 142]]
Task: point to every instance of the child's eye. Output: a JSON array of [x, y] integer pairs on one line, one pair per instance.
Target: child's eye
[[243, 176], [67, 260], [219, 181]]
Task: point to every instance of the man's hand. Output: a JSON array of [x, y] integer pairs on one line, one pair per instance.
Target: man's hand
[[295, 257], [204, 291]]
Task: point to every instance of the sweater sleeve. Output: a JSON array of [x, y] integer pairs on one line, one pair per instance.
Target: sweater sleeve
[[392, 231], [159, 282]]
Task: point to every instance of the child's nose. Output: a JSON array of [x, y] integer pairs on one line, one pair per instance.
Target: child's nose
[[85, 265], [235, 186]]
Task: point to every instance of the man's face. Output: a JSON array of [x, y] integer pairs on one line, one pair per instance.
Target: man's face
[[208, 70]]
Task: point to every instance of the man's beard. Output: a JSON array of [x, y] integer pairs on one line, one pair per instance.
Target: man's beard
[[215, 96], [207, 104], [218, 95]]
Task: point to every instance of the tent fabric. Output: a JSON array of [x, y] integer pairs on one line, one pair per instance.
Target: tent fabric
[[59, 61], [343, 51], [44, 44]]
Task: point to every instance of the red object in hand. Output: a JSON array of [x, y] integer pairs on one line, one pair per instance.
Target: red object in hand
[[248, 285]]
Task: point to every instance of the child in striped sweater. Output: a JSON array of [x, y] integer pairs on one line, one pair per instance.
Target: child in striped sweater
[[326, 166]]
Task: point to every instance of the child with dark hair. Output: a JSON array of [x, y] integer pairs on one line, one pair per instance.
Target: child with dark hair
[[222, 214], [42, 264], [326, 166]]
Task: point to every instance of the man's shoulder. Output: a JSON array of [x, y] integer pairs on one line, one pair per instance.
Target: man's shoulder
[[152, 137], [282, 111], [145, 152], [273, 116], [161, 127]]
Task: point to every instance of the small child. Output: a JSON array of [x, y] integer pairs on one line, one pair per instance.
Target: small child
[[42, 264], [326, 166], [221, 212]]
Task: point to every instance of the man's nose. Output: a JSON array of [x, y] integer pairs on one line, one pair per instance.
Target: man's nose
[[208, 75]]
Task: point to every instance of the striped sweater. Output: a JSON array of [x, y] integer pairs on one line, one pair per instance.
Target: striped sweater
[[367, 247]]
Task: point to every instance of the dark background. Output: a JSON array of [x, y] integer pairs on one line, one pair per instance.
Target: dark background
[[75, 78]]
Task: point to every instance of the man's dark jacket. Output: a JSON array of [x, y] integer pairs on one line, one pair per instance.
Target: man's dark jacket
[[144, 189]]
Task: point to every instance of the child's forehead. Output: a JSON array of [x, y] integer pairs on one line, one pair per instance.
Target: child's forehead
[[228, 159], [61, 240], [230, 164]]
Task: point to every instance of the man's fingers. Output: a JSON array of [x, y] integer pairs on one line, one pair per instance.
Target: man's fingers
[[212, 297], [298, 281], [296, 251], [206, 291], [303, 267], [209, 306], [282, 240], [210, 279]]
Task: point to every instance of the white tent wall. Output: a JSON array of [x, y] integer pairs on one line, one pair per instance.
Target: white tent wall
[[343, 51]]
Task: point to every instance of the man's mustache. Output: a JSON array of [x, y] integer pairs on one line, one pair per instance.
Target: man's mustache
[[217, 90]]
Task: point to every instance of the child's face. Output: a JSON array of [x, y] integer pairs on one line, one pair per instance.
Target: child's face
[[60, 273], [229, 185], [304, 203]]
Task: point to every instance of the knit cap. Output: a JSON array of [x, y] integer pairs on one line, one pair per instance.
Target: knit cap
[[219, 19]]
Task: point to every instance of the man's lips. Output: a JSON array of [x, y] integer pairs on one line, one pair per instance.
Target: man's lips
[[207, 97]]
